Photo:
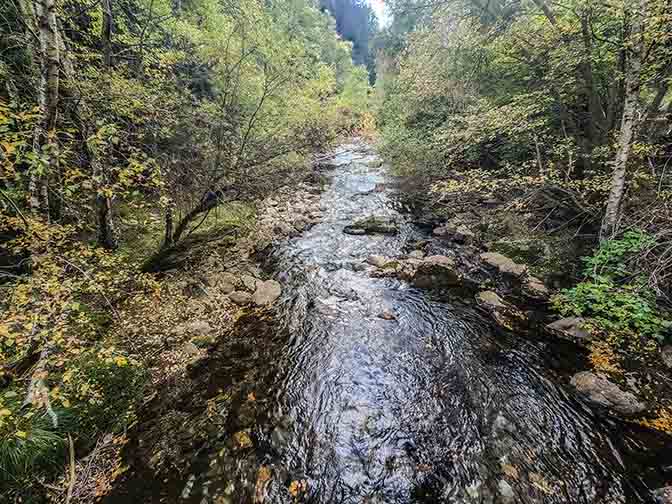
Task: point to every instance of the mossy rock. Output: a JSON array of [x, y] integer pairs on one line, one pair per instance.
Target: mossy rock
[[372, 225]]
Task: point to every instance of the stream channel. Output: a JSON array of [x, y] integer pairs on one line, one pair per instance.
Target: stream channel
[[437, 404]]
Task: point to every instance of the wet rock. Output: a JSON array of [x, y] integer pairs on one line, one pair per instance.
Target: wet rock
[[490, 299], [267, 292], [601, 391], [377, 261], [435, 272], [503, 264], [572, 329], [663, 495], [240, 298], [504, 313], [387, 315], [535, 288], [372, 225], [666, 354], [417, 254]]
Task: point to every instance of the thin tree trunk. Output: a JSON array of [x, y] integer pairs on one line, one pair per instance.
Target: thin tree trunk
[[45, 142], [168, 234], [628, 123], [106, 32], [103, 201]]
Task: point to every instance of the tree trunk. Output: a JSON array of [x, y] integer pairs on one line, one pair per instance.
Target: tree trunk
[[45, 142], [106, 233], [168, 233], [629, 122], [106, 32]]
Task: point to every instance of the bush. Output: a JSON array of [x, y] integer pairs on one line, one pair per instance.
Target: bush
[[614, 299]]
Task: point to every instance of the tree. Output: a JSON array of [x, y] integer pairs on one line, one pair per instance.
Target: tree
[[630, 119]]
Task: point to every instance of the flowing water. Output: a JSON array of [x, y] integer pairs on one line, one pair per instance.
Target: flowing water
[[435, 405]]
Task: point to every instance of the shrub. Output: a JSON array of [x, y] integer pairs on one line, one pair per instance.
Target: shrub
[[611, 296]]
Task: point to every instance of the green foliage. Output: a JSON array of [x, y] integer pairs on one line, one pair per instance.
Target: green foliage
[[615, 300], [622, 311], [611, 258]]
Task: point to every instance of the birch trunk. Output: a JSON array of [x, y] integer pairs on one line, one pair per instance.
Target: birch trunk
[[629, 122], [45, 142]]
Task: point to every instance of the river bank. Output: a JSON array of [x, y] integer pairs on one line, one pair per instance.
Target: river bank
[[358, 383]]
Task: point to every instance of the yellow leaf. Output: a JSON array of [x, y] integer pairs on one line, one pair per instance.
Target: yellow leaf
[[242, 439], [297, 487], [5, 412], [21, 434]]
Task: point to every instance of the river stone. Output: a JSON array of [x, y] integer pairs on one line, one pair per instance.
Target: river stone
[[535, 288], [377, 260], [387, 315], [601, 391], [372, 225], [249, 282], [416, 254], [503, 264], [241, 298], [267, 292], [459, 234], [572, 329], [436, 271], [663, 495], [666, 354], [490, 299]]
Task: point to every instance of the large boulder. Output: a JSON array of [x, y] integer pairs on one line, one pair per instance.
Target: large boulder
[[436, 271], [267, 292], [503, 264], [572, 329], [598, 390]]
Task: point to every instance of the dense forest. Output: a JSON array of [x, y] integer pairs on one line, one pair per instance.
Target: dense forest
[[136, 131]]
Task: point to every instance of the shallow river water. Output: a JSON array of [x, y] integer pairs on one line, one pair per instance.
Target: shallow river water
[[436, 405]]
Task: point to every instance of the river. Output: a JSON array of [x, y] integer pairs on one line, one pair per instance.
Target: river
[[430, 403]]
